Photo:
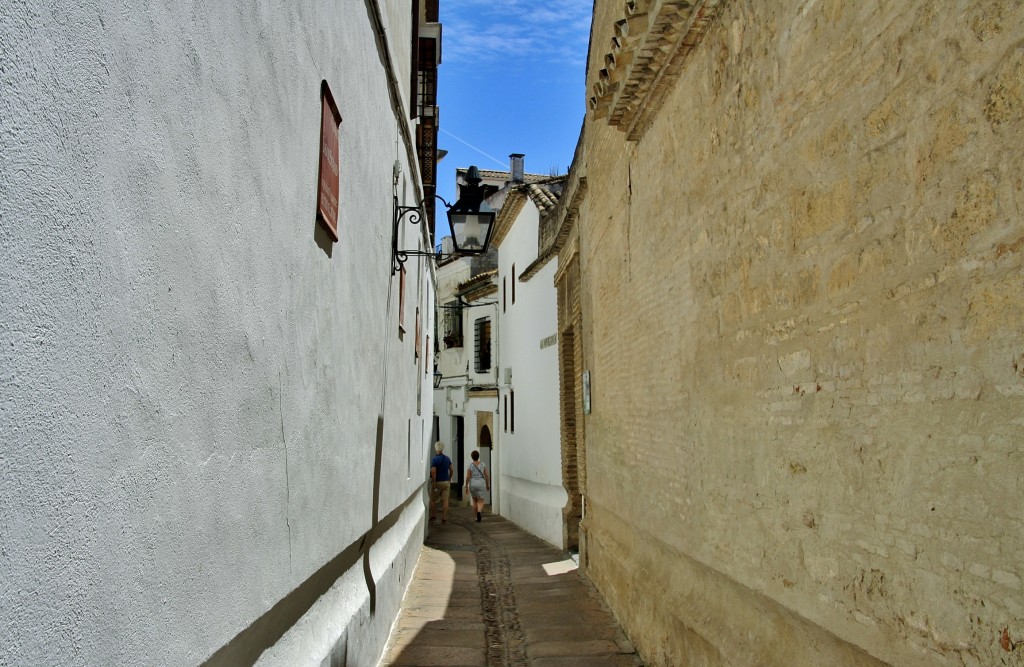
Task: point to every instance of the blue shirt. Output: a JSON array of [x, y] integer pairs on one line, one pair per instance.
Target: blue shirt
[[443, 465]]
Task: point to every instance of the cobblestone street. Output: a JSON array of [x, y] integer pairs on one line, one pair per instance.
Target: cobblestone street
[[491, 594]]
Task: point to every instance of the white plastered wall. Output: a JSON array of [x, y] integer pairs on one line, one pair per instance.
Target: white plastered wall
[[192, 376], [531, 471]]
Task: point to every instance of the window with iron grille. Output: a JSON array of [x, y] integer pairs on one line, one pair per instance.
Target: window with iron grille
[[483, 345], [426, 80], [452, 324]]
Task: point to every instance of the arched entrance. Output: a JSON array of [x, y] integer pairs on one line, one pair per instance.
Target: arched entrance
[[485, 442]]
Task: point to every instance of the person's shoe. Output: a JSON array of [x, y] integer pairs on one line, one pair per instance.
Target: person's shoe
[[478, 517], [444, 520]]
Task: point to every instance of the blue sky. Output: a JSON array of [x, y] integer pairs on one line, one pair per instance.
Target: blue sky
[[511, 80]]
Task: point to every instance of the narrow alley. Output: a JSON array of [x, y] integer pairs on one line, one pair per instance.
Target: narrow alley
[[492, 594], [723, 295]]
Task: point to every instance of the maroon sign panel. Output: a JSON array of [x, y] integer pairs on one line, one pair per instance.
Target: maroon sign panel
[[329, 177]]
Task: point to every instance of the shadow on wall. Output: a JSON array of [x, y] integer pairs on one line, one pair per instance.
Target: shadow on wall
[[247, 646], [322, 239]]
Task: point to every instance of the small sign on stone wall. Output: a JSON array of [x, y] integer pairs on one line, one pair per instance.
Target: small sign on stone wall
[[329, 174]]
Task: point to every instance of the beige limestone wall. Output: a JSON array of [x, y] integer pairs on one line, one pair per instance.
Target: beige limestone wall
[[803, 312]]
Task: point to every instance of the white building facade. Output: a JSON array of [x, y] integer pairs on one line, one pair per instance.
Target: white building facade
[[466, 398], [215, 414], [468, 407], [530, 479]]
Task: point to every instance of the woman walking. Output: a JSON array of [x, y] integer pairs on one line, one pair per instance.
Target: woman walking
[[477, 482]]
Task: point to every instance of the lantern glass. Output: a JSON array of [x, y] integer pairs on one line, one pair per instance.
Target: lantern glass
[[471, 231]]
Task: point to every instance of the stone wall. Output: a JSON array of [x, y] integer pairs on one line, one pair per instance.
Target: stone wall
[[802, 292]]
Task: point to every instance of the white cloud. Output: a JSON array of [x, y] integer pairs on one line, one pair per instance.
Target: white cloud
[[484, 32]]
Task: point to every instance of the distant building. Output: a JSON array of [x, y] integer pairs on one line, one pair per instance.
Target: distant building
[[466, 403], [465, 399]]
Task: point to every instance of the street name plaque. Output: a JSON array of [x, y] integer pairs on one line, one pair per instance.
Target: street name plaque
[[328, 177]]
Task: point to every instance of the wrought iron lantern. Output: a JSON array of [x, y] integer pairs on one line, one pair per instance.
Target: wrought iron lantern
[[470, 218]]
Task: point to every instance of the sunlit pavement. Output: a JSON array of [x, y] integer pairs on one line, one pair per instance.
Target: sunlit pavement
[[490, 593]]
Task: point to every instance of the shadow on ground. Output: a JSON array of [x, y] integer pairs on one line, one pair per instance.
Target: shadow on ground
[[492, 594]]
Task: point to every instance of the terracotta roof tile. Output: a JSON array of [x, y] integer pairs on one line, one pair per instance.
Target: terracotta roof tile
[[544, 198], [505, 175], [476, 281]]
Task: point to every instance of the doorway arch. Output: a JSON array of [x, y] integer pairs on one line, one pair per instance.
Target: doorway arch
[[485, 443]]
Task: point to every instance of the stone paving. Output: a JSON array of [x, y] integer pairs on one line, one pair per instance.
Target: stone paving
[[490, 594]]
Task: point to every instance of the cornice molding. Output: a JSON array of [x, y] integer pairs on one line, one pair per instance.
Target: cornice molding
[[650, 46]]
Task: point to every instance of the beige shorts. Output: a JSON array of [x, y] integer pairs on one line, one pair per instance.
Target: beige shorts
[[442, 490]]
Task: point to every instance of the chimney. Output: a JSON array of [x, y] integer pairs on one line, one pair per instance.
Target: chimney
[[516, 167]]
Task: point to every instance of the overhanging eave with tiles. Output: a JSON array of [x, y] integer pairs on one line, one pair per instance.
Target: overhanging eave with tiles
[[556, 223], [542, 197], [478, 286], [506, 216]]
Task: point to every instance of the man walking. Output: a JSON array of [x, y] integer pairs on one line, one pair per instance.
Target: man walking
[[441, 471]]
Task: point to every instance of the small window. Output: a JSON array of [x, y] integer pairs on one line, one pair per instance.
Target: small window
[[512, 410], [513, 284], [483, 345], [505, 415], [504, 294]]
